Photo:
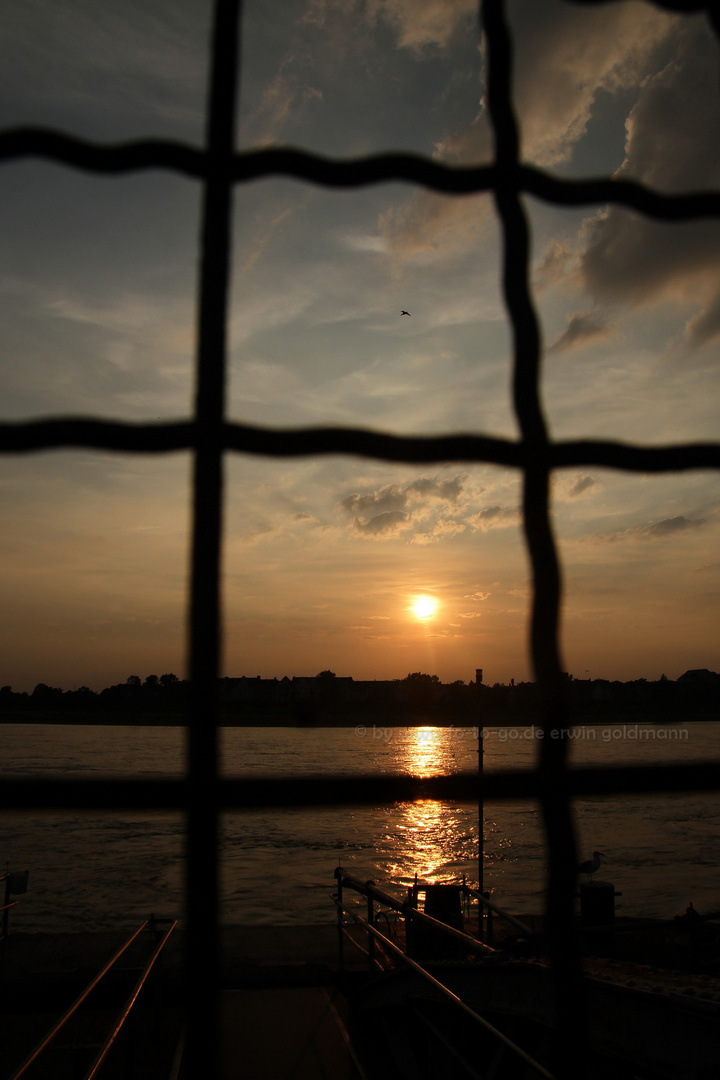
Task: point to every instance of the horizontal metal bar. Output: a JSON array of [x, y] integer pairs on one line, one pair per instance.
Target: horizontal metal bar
[[55, 432], [247, 793], [47, 144], [75, 1005], [369, 888], [81, 432]]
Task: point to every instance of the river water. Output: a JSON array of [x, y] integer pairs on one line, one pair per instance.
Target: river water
[[102, 870]]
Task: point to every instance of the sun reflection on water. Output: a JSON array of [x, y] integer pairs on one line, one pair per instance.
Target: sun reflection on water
[[431, 839], [425, 753]]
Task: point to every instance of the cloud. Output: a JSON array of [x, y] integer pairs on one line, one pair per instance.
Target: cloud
[[419, 23], [388, 499], [417, 505], [581, 485], [559, 260], [390, 523], [583, 327], [658, 530], [495, 517], [470, 615], [478, 596], [283, 98], [671, 137], [440, 529], [565, 58], [447, 490], [705, 326], [142, 61], [394, 497], [363, 242], [668, 527], [428, 226]]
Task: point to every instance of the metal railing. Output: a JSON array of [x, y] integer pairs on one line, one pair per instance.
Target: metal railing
[[407, 908], [16, 883], [72, 1011], [413, 915], [484, 902], [209, 436]]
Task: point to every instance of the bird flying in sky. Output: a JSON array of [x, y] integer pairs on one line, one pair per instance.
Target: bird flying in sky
[[404, 312]]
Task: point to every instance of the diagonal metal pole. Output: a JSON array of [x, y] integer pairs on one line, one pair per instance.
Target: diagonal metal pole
[[202, 866]]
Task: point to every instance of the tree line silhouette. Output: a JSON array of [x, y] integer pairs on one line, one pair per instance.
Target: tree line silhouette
[[325, 698]]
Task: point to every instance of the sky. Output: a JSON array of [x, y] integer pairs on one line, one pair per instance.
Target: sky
[[324, 559]]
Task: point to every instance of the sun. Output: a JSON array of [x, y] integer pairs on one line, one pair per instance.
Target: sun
[[424, 607]]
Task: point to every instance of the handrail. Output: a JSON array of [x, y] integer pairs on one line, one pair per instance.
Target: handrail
[[366, 952], [4, 922], [446, 992], [105, 1048], [76, 1004], [498, 910], [368, 888]]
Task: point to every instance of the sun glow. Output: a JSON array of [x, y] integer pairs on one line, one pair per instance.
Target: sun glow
[[424, 607]]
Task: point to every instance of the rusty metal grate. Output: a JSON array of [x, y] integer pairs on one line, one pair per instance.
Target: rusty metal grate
[[201, 793]]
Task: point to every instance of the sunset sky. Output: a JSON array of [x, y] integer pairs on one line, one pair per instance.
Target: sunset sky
[[325, 559]]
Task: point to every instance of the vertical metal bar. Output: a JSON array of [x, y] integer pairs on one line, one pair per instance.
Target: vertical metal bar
[[205, 607], [371, 922], [545, 619], [6, 906], [341, 935], [481, 817]]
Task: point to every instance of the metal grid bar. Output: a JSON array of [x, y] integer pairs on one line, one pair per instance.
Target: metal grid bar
[[204, 630], [546, 576], [201, 793]]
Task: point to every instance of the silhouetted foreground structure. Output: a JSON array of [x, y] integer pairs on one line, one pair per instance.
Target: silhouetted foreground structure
[[327, 699]]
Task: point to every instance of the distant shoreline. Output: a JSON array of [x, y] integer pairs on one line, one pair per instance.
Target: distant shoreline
[[420, 700], [415, 718]]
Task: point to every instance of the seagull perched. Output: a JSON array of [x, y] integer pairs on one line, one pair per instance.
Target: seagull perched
[[590, 866], [404, 312]]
